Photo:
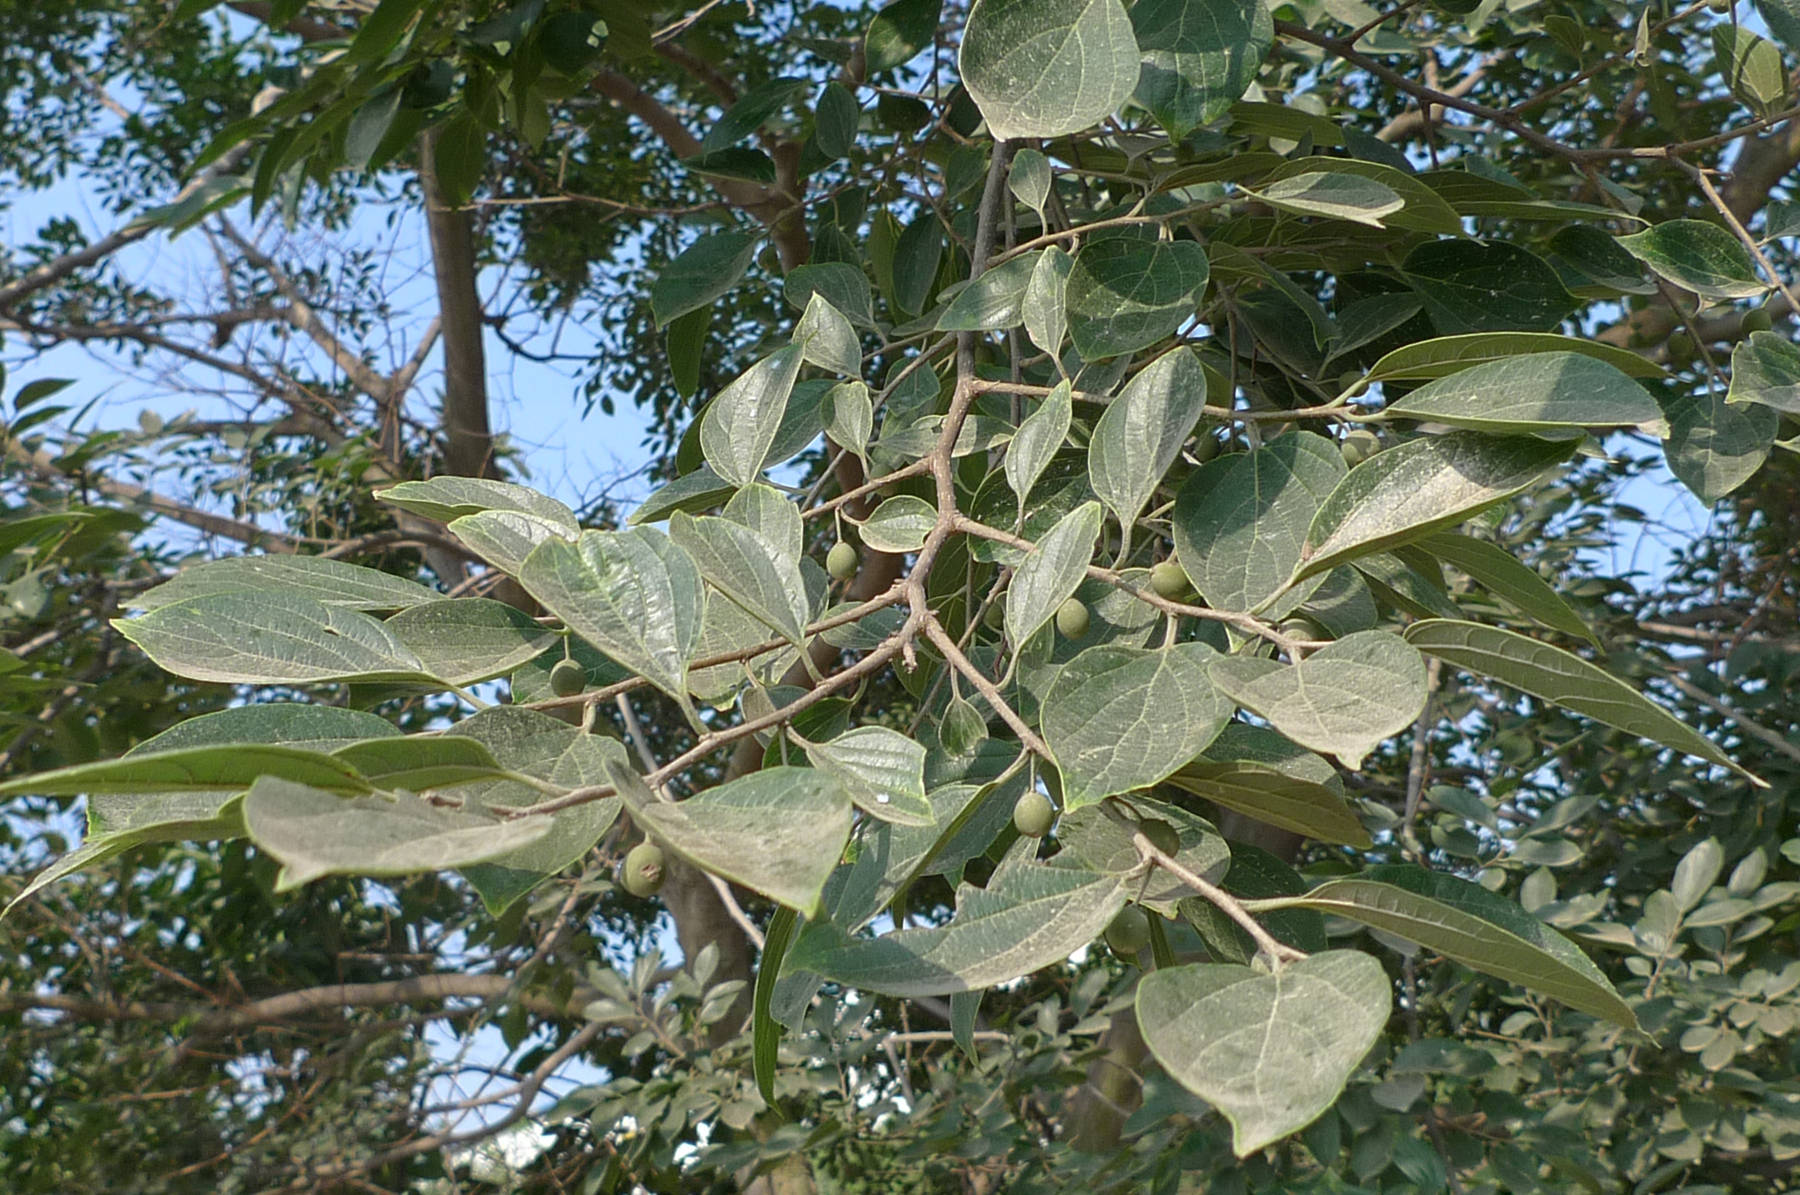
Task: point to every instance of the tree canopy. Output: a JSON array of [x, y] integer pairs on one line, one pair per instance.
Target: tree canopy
[[1141, 648]]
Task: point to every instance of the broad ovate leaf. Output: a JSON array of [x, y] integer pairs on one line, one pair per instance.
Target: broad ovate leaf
[[328, 582], [270, 639], [633, 594], [1125, 294], [779, 832], [1029, 916], [1240, 521], [1344, 699], [1051, 571], [744, 566], [1199, 57], [1142, 430], [1697, 256], [314, 833], [1045, 68], [1422, 486], [449, 498], [1120, 718], [1540, 392], [1270, 1051], [738, 429], [881, 769]]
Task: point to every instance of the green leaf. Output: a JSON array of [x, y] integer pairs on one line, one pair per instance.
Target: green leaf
[[747, 115], [330, 582], [633, 594], [738, 429], [1475, 927], [1141, 433], [534, 744], [1039, 437], [314, 833], [776, 518], [418, 762], [1765, 369], [748, 569], [835, 121], [881, 769], [917, 255], [1422, 486], [1240, 521], [899, 31], [827, 340], [1751, 66], [1119, 718], [1045, 307], [1594, 266], [899, 524], [1524, 395], [1715, 445], [1261, 792], [765, 1031], [778, 832], [465, 640], [702, 272], [841, 284], [1028, 177], [849, 417], [1509, 579], [1269, 1051], [1050, 572], [1783, 19], [91, 853], [1424, 210], [1554, 675], [1698, 256], [1445, 355], [992, 300], [448, 498], [1029, 916], [1090, 838], [296, 724], [504, 538], [214, 768], [1043, 68], [1126, 294], [1345, 699], [1491, 286], [700, 490], [1256, 875], [1332, 196], [1199, 57], [1697, 872], [270, 639]]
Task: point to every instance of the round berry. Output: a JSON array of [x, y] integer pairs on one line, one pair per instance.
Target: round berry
[[567, 678], [1072, 619], [641, 873], [1168, 580], [1719, 5], [1359, 445], [1129, 933], [1032, 815], [841, 561]]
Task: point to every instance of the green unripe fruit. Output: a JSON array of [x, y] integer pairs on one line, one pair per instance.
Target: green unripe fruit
[[1680, 346], [1032, 815], [1168, 580], [1162, 835], [1757, 320], [841, 561], [1359, 445], [1129, 932], [641, 874], [1072, 619], [996, 615], [567, 678], [1719, 5], [1206, 447]]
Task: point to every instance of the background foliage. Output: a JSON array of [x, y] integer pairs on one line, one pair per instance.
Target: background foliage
[[1527, 266]]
